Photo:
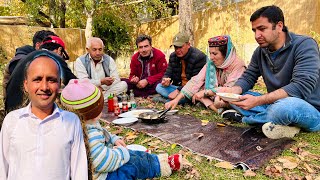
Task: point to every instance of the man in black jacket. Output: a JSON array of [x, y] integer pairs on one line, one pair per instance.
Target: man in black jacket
[[184, 63]]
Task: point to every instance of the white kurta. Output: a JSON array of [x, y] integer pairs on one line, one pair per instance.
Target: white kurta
[[97, 73], [51, 149]]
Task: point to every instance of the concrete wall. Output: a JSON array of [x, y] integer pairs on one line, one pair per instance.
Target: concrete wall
[[300, 16], [15, 36]]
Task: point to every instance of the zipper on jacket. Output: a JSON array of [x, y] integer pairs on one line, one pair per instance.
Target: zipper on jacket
[[270, 61]]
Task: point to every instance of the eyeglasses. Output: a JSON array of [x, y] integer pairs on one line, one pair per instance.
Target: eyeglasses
[[218, 41]]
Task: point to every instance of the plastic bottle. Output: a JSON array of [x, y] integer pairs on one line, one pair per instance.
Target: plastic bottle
[[124, 102], [110, 103], [132, 100], [116, 107]]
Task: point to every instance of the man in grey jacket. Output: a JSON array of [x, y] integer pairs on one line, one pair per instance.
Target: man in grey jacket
[[290, 66], [99, 68]]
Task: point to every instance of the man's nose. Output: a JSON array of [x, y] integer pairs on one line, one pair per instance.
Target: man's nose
[[257, 34], [44, 85]]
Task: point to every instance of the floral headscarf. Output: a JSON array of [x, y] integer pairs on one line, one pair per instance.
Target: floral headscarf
[[211, 77]]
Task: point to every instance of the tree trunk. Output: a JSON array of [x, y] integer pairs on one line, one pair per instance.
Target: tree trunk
[[185, 18], [52, 10], [63, 9], [88, 31]]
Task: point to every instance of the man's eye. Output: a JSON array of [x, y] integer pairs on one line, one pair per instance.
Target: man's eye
[[37, 80], [53, 80]]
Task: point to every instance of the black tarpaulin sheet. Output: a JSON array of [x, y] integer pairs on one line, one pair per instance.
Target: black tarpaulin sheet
[[237, 145]]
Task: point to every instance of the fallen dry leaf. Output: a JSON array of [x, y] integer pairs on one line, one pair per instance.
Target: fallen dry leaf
[[204, 112], [225, 165], [204, 122], [146, 140], [173, 146], [308, 177], [131, 136], [192, 173], [154, 143], [198, 135], [186, 164], [309, 169], [150, 106], [185, 153], [278, 168], [289, 162], [271, 171], [221, 125], [118, 131], [249, 173], [197, 158]]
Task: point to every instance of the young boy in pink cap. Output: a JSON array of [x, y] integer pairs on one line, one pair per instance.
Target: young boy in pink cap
[[108, 153]]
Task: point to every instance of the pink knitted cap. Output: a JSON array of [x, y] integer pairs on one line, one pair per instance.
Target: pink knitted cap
[[84, 97]]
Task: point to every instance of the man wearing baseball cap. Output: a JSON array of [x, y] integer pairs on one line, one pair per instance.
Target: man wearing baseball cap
[[55, 44], [185, 62]]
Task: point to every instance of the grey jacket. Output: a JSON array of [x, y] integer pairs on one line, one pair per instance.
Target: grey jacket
[[105, 64], [296, 69]]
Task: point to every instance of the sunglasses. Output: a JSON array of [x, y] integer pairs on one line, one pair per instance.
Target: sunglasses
[[218, 41]]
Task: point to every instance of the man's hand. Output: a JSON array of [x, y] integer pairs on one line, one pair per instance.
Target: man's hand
[[120, 142], [171, 104], [165, 82], [107, 81], [173, 94], [142, 83], [197, 96], [247, 102], [134, 79]]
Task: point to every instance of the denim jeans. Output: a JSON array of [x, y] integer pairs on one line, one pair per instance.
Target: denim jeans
[[141, 165], [165, 91], [286, 111]]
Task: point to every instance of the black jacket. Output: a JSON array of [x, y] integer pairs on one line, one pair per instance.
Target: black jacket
[[194, 59], [21, 53]]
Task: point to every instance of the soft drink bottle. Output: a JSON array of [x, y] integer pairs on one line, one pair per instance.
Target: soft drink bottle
[[124, 102], [116, 107], [132, 100], [110, 103]]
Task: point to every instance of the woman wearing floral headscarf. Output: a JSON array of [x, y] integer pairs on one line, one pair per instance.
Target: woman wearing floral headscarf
[[222, 70]]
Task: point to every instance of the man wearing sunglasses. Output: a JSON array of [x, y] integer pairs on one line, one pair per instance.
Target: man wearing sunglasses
[[186, 61]]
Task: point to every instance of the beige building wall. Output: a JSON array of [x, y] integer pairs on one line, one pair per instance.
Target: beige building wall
[[15, 36], [300, 16]]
